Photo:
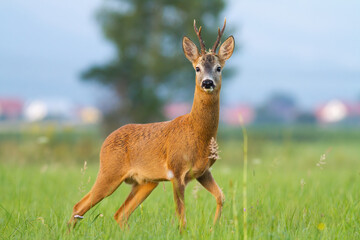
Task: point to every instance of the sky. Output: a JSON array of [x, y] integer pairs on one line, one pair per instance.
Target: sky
[[309, 49], [44, 47]]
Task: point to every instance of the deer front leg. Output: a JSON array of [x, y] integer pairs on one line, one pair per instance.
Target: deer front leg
[[208, 182], [179, 189]]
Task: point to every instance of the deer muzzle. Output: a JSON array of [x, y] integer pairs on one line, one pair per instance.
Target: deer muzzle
[[208, 85]]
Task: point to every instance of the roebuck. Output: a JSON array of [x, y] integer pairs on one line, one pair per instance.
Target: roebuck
[[176, 151]]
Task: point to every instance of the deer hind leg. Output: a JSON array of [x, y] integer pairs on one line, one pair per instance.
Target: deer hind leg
[[138, 194], [104, 186], [208, 182], [179, 190]]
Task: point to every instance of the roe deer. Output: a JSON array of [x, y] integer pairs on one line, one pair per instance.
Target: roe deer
[[176, 151]]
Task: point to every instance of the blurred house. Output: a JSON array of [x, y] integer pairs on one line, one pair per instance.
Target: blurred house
[[337, 111], [230, 115], [174, 110], [50, 109], [59, 110], [89, 115], [11, 108]]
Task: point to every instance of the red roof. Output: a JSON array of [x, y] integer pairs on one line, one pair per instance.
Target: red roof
[[11, 108], [230, 115], [174, 110]]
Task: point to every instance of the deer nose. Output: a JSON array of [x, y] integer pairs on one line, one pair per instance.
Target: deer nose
[[208, 84]]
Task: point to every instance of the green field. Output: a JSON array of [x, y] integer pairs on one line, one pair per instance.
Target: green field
[[289, 196]]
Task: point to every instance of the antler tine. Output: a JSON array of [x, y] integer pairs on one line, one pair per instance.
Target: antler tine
[[220, 33], [198, 33]]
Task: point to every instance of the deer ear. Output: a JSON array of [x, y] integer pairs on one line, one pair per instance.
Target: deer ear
[[227, 48], [190, 49]]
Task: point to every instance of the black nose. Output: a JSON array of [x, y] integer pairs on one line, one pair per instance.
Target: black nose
[[207, 84]]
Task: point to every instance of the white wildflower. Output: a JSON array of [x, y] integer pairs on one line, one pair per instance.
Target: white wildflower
[[42, 140], [195, 190], [83, 170], [302, 183], [322, 161]]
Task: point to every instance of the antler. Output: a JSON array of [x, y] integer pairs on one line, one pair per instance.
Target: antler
[[198, 33], [220, 33]]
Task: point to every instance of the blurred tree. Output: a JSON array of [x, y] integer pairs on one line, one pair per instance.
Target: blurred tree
[[306, 118], [149, 68], [278, 109]]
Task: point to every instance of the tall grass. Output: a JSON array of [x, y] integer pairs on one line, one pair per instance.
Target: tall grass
[[288, 195], [245, 169]]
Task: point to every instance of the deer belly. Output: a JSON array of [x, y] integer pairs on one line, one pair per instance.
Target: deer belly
[[142, 172]]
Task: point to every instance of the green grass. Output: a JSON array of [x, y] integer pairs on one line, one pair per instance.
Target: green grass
[[288, 196]]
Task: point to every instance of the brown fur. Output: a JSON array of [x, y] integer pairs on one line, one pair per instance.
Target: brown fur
[[176, 151]]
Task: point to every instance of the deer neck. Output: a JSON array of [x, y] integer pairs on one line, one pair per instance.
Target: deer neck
[[205, 112]]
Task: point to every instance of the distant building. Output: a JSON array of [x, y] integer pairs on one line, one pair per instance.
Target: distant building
[[231, 115], [89, 115], [174, 110], [36, 111], [11, 108], [336, 111], [59, 110], [52, 109]]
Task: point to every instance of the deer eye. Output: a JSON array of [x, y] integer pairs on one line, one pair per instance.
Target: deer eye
[[197, 69], [218, 69]]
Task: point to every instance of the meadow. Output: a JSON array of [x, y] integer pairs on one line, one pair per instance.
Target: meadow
[[302, 183]]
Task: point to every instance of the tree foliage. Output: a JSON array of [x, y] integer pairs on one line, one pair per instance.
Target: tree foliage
[[280, 108], [148, 67]]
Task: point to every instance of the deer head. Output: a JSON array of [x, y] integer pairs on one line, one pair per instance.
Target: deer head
[[208, 65]]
